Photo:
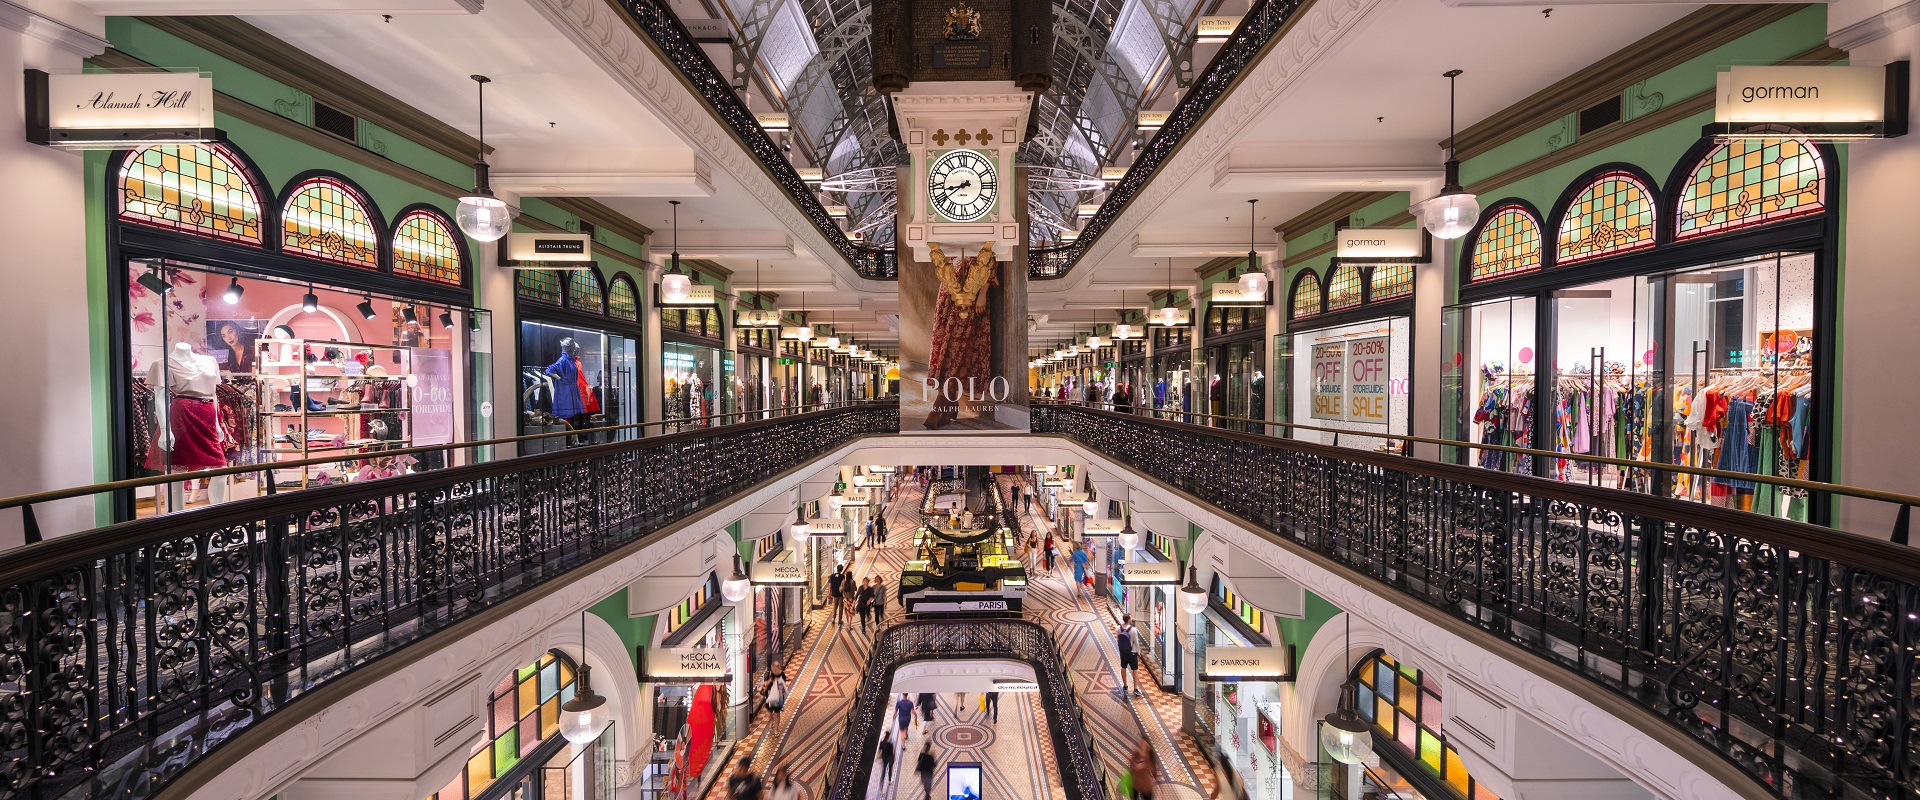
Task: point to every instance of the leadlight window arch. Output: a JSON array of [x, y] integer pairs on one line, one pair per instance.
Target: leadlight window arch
[[1345, 287], [1746, 182], [1304, 300], [1508, 243], [1406, 710], [1389, 282], [523, 712], [537, 286], [682, 613], [1610, 215], [623, 299], [586, 292], [426, 246], [192, 188], [325, 217]]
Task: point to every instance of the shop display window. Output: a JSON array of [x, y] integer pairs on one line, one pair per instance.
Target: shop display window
[[1508, 243], [1305, 299], [1490, 356], [1754, 181], [1389, 282], [1347, 381], [198, 189], [327, 219], [623, 301], [1406, 713], [1344, 287], [576, 378], [1612, 215], [691, 379], [425, 247], [523, 713]]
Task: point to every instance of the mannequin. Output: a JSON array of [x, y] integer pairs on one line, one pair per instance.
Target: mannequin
[[566, 380], [187, 432]]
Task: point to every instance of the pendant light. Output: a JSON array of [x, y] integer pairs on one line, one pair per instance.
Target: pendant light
[[309, 302], [675, 286], [1255, 281], [1169, 316], [797, 532], [1193, 599], [736, 586], [805, 331], [234, 292], [481, 215], [1455, 210], [1129, 538], [833, 339], [1347, 737], [366, 307], [576, 715]]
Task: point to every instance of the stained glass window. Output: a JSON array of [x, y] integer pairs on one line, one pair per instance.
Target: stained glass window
[[537, 285], [1508, 244], [1613, 215], [623, 300], [1306, 295], [522, 713], [1247, 612], [1751, 182], [680, 614], [583, 291], [327, 219], [1343, 287], [1407, 711], [424, 247], [194, 188], [1389, 281]]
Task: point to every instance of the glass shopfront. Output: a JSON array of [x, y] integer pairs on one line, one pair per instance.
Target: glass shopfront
[[1236, 364], [1173, 383], [579, 355], [339, 333], [753, 377], [1705, 351], [690, 374]]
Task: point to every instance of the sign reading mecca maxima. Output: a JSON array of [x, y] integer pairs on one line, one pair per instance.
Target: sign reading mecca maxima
[[1351, 380], [778, 573], [1230, 664], [686, 664]]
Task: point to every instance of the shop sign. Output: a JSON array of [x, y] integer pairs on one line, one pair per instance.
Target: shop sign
[[119, 107], [778, 573], [968, 605], [686, 664], [527, 250], [1016, 687], [1792, 94], [1142, 573], [1153, 120], [707, 30], [833, 526], [1183, 318], [1216, 29], [1381, 245], [773, 121], [1230, 664], [759, 318], [792, 333], [699, 295], [1352, 380], [1231, 294]]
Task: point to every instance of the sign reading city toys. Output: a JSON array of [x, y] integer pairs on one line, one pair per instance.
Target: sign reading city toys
[[778, 573], [1835, 100], [687, 664], [1230, 664], [525, 250], [1137, 573], [1381, 245]]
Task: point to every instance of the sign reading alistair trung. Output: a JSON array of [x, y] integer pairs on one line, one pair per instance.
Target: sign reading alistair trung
[[547, 250]]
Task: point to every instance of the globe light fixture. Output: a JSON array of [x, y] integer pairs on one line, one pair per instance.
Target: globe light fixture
[[797, 532], [1169, 316], [578, 723], [1129, 538], [675, 286], [736, 586], [481, 215], [1347, 737], [1193, 599], [1255, 281], [1455, 210]]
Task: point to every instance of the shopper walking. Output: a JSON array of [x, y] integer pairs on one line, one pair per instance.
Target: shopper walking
[[993, 706], [1226, 780], [836, 589], [887, 773], [776, 696], [1140, 769], [783, 786], [925, 767], [742, 784], [1123, 639], [879, 604], [1080, 562], [903, 715], [864, 603], [927, 704], [1046, 552]]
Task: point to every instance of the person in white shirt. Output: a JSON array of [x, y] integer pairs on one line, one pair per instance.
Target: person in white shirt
[[783, 786]]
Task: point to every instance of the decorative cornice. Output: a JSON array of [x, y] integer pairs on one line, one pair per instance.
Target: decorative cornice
[[235, 40], [603, 216], [1872, 29], [1336, 208], [18, 18], [1664, 49]]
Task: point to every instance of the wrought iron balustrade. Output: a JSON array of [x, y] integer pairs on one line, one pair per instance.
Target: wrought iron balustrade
[[129, 652], [1047, 263], [1788, 648], [877, 263], [1080, 775]]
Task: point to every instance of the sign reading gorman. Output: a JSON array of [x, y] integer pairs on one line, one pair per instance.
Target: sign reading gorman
[[687, 665], [1229, 664]]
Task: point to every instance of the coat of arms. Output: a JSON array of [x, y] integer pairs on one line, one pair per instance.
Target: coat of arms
[[963, 23]]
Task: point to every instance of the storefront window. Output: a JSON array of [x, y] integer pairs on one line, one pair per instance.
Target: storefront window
[[523, 713], [692, 380], [576, 378], [1405, 710], [1508, 243], [1495, 405], [1754, 181], [197, 189], [1612, 215], [424, 247], [324, 218], [1349, 378]]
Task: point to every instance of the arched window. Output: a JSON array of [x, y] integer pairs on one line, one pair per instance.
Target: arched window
[[200, 189], [623, 300], [585, 292], [1508, 244], [1344, 287], [1612, 215], [1390, 281], [537, 286], [1746, 182], [683, 613], [424, 247], [523, 712], [1304, 300], [1406, 710], [326, 218]]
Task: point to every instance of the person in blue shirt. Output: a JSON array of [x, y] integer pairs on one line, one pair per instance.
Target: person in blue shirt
[[1080, 560]]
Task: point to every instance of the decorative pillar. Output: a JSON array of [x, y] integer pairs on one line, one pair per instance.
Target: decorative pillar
[[653, 393]]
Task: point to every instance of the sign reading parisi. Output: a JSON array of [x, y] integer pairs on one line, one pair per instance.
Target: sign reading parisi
[[687, 664], [1244, 664]]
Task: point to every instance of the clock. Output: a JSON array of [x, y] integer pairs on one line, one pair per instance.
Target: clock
[[962, 185]]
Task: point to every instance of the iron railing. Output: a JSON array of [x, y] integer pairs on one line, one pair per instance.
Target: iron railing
[[1079, 774], [1788, 648], [1261, 24], [129, 652], [678, 48]]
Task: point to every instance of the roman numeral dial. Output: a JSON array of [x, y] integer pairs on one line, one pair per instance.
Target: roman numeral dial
[[962, 185]]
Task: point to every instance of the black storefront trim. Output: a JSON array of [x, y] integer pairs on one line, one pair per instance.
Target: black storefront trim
[[525, 311], [697, 622], [676, 337], [1352, 316]]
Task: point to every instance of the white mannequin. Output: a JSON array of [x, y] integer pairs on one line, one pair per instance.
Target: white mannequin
[[186, 374]]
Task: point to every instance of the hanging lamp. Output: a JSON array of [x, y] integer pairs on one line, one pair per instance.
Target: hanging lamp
[[1169, 316], [675, 286], [1255, 281], [576, 715], [1451, 214], [481, 215], [1347, 737], [1193, 599], [736, 586]]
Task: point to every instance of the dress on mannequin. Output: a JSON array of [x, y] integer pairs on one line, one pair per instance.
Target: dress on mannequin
[[187, 433], [566, 382]]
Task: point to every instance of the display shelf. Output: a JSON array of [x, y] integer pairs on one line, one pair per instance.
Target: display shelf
[[277, 378]]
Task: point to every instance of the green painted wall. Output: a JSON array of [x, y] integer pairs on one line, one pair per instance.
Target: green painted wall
[[634, 631], [1300, 632]]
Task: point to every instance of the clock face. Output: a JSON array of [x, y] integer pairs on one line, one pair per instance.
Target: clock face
[[962, 185]]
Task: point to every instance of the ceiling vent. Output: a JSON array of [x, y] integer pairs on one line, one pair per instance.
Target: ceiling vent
[[1600, 115], [336, 122]]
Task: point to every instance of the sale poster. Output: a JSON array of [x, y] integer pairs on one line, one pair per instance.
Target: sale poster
[[432, 396], [1368, 381], [962, 342], [1329, 365]]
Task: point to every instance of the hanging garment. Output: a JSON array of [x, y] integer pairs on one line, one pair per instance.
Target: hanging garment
[[589, 402], [198, 442], [566, 386]]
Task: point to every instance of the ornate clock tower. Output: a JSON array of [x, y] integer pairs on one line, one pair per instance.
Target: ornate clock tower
[[962, 76]]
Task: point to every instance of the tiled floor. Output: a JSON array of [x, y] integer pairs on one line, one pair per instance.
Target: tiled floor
[[1015, 762]]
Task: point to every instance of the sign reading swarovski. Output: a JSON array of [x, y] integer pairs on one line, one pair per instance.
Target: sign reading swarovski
[[1229, 664]]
